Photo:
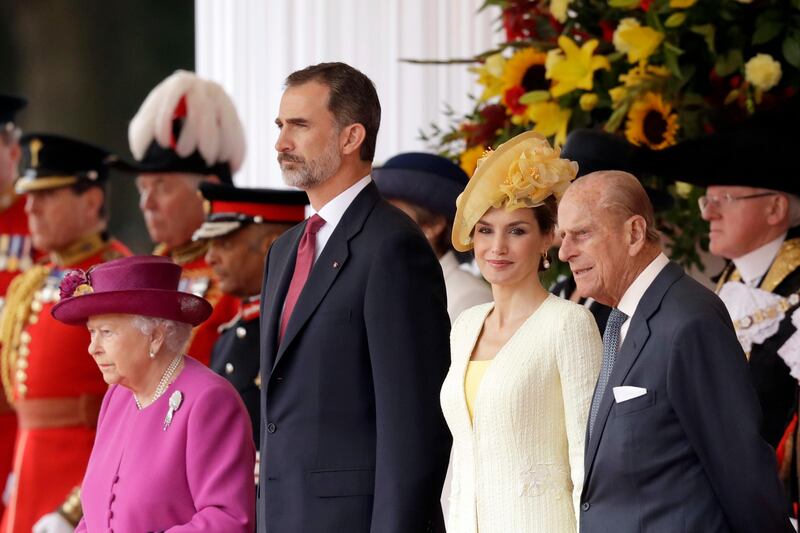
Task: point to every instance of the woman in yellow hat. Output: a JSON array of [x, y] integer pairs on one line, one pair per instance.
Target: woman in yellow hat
[[524, 366]]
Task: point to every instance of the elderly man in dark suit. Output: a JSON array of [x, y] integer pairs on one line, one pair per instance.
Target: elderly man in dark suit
[[354, 336], [673, 439]]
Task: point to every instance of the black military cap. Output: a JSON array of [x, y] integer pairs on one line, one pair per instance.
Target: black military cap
[[9, 107], [596, 150], [229, 208], [756, 152], [54, 161]]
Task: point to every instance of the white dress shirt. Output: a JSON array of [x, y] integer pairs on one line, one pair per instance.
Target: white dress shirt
[[630, 300], [333, 211], [752, 266]]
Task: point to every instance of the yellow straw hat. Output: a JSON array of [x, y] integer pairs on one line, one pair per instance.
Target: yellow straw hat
[[522, 172]]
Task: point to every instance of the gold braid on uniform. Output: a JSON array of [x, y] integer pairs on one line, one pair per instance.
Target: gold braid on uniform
[[71, 510], [14, 318], [183, 254], [786, 262]]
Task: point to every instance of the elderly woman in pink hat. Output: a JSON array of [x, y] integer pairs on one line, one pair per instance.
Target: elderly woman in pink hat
[[174, 448]]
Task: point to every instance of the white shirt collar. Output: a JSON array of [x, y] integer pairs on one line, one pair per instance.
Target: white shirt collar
[[630, 300], [753, 265], [334, 210]]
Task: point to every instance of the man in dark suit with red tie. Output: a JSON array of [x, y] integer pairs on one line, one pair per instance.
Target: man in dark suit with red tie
[[354, 337]]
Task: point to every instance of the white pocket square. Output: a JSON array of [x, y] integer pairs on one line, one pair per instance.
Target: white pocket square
[[625, 393]]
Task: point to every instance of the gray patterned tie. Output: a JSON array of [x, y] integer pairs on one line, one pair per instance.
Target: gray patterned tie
[[610, 349]]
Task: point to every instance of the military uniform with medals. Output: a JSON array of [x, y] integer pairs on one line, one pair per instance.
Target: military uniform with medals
[[16, 256], [236, 352], [48, 376]]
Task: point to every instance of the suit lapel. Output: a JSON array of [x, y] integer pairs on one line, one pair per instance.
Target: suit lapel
[[272, 306], [635, 339], [327, 267]]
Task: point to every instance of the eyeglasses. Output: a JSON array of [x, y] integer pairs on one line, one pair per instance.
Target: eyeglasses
[[726, 199]]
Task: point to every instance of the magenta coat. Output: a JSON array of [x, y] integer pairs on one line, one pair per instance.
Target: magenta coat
[[195, 476]]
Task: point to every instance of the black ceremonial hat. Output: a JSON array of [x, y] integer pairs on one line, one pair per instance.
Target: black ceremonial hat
[[54, 161]]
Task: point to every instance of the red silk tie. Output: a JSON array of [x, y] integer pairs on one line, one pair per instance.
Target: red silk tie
[[302, 268]]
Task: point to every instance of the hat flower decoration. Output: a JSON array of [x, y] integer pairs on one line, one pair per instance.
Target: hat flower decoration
[[536, 174], [522, 172], [75, 283]]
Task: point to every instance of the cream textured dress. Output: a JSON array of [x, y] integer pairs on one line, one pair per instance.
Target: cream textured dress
[[518, 467]]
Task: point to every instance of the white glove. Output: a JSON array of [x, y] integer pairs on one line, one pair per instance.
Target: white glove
[[9, 488], [52, 523]]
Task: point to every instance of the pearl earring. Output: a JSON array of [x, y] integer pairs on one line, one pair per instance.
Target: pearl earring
[[152, 354], [545, 261]]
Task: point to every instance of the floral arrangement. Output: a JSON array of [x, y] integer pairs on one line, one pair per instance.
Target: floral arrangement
[[653, 71]]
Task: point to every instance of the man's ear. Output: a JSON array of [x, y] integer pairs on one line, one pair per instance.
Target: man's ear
[[636, 234], [352, 137], [778, 210]]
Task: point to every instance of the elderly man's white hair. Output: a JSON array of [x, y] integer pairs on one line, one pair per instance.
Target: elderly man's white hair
[[211, 126], [176, 333]]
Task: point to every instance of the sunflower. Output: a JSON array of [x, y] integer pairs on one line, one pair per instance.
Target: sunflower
[[525, 69], [651, 122]]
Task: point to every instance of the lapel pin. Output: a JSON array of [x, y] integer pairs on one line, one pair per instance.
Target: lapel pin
[[335, 264]]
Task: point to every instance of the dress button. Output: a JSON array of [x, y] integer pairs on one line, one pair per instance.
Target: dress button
[[228, 368], [585, 506], [241, 332], [271, 428]]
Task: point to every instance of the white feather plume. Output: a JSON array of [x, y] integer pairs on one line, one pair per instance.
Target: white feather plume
[[212, 125]]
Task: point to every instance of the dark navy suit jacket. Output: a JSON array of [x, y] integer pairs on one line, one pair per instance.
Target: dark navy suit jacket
[[353, 438], [687, 456]]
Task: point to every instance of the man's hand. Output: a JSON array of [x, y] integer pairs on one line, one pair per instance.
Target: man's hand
[[52, 523]]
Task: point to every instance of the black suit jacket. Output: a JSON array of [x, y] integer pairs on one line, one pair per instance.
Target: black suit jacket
[[235, 357], [353, 437], [687, 456]]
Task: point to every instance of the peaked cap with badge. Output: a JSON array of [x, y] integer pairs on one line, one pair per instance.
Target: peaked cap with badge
[[229, 208], [53, 161]]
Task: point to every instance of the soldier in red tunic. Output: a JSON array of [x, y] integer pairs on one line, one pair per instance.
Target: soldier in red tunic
[[16, 255], [186, 132], [48, 376]]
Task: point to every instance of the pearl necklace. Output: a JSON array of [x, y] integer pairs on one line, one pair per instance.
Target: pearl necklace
[[164, 383]]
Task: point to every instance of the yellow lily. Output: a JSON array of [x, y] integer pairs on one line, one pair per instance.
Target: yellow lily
[[576, 69], [558, 8], [640, 42], [550, 119], [490, 76]]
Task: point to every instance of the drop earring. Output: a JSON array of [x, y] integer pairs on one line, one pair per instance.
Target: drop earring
[[152, 354], [545, 261]]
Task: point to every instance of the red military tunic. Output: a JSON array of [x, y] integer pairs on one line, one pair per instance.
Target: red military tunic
[[198, 278], [16, 255], [55, 385]]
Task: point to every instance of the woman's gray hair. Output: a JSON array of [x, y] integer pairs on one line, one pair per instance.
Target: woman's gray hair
[[176, 334]]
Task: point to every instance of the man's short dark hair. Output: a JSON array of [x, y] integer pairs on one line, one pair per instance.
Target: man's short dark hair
[[353, 98]]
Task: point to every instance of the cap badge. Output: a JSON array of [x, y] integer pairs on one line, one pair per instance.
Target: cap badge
[[36, 146]]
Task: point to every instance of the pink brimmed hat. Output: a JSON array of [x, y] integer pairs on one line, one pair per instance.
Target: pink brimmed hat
[[138, 285]]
